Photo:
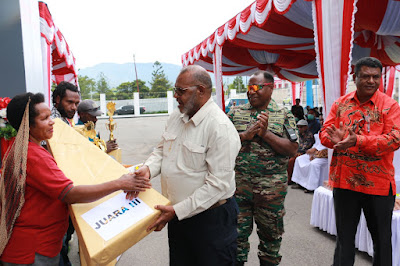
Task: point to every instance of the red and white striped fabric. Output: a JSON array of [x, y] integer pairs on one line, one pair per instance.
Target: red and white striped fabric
[[300, 40], [297, 90], [387, 82], [58, 61]]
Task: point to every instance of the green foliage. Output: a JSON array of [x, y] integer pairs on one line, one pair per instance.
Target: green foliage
[[87, 86], [238, 85], [102, 84], [159, 82], [7, 132], [125, 90]]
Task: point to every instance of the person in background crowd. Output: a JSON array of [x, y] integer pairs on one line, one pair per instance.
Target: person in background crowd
[[317, 114], [363, 130], [66, 98], [298, 111], [307, 109], [268, 135], [88, 110], [196, 160], [313, 123], [34, 192], [306, 141]]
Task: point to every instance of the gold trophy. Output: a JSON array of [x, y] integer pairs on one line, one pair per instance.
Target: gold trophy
[[88, 131], [111, 125]]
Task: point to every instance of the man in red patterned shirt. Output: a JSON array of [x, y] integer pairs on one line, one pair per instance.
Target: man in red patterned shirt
[[363, 129]]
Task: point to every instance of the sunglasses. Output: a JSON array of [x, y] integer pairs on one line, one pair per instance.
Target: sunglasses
[[181, 91], [257, 87]]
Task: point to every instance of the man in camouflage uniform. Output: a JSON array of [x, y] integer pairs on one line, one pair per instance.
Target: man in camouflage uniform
[[268, 138]]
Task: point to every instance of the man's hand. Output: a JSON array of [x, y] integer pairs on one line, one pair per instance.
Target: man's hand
[[336, 134], [143, 173], [111, 145], [263, 123], [311, 151], [250, 132], [348, 142], [134, 184], [167, 214]]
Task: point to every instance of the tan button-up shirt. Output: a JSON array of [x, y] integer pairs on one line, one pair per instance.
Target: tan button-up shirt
[[196, 159]]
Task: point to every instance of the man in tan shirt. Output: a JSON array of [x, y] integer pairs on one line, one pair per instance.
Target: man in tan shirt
[[196, 159]]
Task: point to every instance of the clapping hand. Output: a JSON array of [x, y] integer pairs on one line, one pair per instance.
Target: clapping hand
[[263, 123], [348, 142], [336, 134]]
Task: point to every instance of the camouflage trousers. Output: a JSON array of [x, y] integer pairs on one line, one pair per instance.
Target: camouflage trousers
[[261, 199]]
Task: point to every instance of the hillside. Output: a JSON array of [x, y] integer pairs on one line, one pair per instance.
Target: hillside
[[119, 73]]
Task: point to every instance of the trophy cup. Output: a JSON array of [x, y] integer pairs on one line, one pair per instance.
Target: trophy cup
[[111, 126]]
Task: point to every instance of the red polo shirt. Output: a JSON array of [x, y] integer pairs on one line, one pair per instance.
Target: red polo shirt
[[366, 167], [43, 220]]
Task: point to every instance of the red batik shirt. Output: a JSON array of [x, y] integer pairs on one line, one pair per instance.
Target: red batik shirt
[[366, 167]]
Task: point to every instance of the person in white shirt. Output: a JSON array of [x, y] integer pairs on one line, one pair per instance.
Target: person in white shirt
[[196, 160]]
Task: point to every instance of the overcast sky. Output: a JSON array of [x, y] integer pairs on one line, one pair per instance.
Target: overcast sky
[[99, 31]]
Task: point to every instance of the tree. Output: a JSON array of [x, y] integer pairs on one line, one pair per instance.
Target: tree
[[125, 90], [102, 84], [238, 85], [87, 86], [159, 82]]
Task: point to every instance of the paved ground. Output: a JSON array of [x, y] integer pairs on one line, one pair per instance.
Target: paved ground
[[302, 245]]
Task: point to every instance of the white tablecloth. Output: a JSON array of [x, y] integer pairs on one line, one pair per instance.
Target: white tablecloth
[[310, 174], [323, 217]]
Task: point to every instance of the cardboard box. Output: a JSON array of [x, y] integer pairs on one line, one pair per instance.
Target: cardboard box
[[85, 164]]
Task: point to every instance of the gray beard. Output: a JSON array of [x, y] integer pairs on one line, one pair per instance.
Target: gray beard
[[189, 106]]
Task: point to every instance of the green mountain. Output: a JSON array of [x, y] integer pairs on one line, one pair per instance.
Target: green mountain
[[119, 73]]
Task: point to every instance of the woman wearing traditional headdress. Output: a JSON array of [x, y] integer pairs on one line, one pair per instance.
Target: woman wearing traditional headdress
[[34, 192]]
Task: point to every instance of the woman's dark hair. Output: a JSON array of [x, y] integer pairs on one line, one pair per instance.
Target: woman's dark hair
[[16, 108]]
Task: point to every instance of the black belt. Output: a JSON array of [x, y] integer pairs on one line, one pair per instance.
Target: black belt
[[219, 203]]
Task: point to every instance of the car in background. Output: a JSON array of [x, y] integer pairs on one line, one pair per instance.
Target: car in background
[[286, 101], [234, 102], [128, 110]]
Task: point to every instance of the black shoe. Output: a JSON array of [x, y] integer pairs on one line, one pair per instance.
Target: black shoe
[[296, 186], [308, 191]]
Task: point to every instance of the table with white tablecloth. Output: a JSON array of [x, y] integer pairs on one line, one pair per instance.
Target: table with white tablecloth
[[323, 217]]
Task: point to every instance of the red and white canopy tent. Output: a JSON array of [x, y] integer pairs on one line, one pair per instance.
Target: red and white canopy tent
[[302, 39], [58, 61]]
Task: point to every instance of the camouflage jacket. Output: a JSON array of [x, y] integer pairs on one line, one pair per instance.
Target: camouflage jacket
[[256, 157]]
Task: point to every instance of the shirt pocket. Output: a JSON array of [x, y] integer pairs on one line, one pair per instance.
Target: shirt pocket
[[194, 156], [169, 141], [375, 128]]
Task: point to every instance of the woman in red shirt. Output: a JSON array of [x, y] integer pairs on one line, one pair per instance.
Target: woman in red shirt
[[33, 200]]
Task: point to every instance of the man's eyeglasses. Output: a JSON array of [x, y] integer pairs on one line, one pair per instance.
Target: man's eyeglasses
[[256, 87], [181, 91]]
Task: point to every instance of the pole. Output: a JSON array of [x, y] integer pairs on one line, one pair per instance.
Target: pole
[[137, 82]]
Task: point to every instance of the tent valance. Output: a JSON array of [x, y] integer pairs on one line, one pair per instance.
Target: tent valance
[[300, 40], [58, 60]]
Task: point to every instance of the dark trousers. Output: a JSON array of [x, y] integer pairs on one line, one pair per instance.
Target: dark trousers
[[208, 238], [378, 212], [64, 260]]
